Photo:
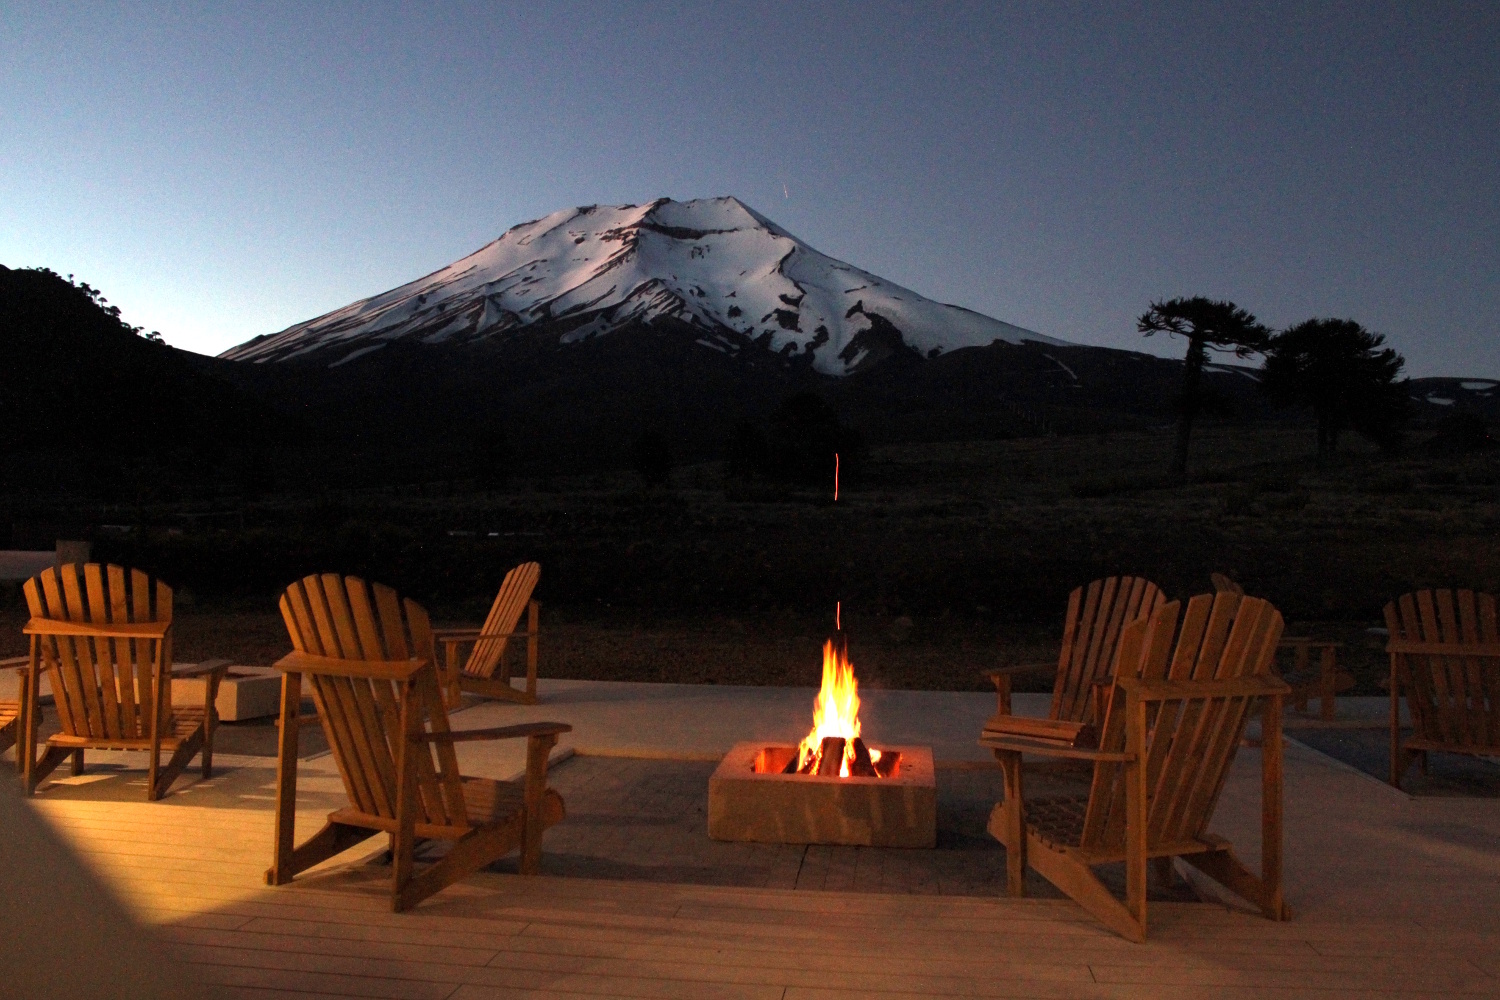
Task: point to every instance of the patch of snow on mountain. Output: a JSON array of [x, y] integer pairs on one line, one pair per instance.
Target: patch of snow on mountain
[[714, 264], [1231, 370]]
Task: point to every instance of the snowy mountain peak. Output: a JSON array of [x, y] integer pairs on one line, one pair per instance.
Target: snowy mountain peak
[[713, 264]]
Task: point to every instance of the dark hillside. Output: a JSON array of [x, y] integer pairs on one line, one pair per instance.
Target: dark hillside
[[76, 380], [409, 412]]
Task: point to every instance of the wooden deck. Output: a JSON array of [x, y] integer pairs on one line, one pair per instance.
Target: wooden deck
[[1395, 899]]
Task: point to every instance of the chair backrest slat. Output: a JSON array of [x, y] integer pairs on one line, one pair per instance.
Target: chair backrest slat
[[505, 613], [82, 655], [1189, 742], [107, 677], [1452, 698], [1194, 657], [336, 731], [1249, 652], [124, 651], [1223, 583], [1097, 616], [341, 618], [103, 688]]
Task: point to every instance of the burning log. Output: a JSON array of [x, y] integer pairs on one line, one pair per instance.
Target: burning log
[[830, 756], [862, 767], [886, 765]]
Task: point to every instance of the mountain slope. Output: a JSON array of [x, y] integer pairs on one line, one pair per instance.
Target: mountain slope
[[725, 272]]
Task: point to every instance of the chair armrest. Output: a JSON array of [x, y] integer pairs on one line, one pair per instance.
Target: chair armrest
[[458, 637], [500, 733], [199, 669], [457, 632], [1021, 668], [307, 663], [15, 663], [1052, 749], [1229, 687]]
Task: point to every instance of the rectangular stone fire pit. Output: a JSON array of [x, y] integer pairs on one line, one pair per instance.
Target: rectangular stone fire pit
[[749, 799]]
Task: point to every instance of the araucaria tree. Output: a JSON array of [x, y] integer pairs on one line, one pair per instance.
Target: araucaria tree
[[1208, 325], [1345, 374]]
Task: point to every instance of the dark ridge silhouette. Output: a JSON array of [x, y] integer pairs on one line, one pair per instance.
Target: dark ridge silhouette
[[76, 379]]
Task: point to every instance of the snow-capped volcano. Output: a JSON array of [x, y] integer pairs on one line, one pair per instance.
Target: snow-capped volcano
[[724, 270]]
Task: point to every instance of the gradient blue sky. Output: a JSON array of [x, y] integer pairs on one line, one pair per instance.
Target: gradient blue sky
[[225, 171]]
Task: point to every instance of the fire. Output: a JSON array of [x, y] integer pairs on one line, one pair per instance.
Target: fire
[[835, 712]]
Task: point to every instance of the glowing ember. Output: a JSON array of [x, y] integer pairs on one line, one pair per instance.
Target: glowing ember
[[835, 714]]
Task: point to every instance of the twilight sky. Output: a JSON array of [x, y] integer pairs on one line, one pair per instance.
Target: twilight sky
[[222, 171]]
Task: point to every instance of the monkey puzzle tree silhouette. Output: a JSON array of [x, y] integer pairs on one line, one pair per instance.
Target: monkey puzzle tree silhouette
[[1207, 324], [1345, 374]]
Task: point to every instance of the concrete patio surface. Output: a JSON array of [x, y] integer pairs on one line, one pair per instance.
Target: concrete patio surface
[[702, 721], [1392, 896]]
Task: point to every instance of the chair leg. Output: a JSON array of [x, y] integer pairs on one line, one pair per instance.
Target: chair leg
[[472, 852], [40, 769], [210, 722], [537, 750], [153, 775], [1012, 817], [1135, 813], [1224, 868], [1162, 869], [163, 775], [77, 763], [334, 838], [533, 629], [1075, 880]]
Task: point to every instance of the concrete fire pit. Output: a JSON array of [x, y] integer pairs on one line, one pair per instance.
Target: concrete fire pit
[[749, 799]]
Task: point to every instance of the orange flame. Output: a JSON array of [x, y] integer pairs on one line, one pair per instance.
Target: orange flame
[[836, 710]]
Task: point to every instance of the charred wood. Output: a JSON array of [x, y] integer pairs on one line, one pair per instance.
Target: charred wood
[[831, 756]]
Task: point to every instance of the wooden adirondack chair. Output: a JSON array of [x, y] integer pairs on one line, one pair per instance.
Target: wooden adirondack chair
[[1445, 657], [486, 672], [107, 651], [1325, 683], [369, 663], [12, 718], [1097, 615], [1175, 716]]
